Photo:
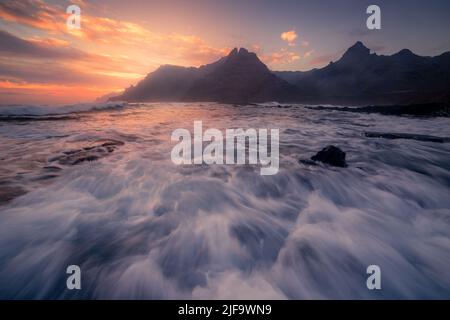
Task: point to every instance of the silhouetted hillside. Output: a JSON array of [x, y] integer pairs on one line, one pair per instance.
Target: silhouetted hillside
[[358, 78]]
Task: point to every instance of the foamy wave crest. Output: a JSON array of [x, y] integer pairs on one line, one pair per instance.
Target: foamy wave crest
[[35, 111]]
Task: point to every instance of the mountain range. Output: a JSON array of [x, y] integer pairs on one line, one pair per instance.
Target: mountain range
[[359, 77]]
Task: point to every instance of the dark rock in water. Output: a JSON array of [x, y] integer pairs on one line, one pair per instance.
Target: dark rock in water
[[101, 149], [29, 118], [83, 159], [331, 155], [416, 110], [409, 136], [112, 143], [45, 177], [9, 193], [52, 168]]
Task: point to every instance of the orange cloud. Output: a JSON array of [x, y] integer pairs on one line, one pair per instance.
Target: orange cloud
[[108, 33], [290, 37], [322, 60], [105, 51], [309, 53], [32, 13], [39, 50], [282, 56], [52, 42], [23, 92], [39, 86]]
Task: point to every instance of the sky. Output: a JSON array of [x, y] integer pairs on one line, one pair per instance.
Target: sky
[[42, 61]]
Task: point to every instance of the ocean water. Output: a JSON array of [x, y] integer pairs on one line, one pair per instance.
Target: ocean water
[[141, 227]]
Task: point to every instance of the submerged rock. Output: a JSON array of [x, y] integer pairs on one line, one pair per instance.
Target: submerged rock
[[331, 155], [416, 110], [8, 193], [90, 153], [410, 136]]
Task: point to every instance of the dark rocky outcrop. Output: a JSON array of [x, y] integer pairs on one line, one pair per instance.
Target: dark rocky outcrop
[[94, 152], [410, 136], [8, 193], [331, 155], [416, 110]]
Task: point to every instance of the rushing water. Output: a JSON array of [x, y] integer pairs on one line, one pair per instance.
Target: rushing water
[[141, 227]]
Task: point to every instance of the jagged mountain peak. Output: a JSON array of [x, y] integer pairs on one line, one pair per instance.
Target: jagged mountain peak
[[357, 50], [359, 46], [242, 55], [243, 51], [240, 52], [233, 52], [406, 53]]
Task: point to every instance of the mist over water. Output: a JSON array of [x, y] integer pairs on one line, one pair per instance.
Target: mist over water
[[141, 227]]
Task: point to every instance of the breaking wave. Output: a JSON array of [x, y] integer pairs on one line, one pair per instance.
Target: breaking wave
[[36, 111]]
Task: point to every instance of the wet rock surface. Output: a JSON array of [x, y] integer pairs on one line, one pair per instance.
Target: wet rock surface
[[52, 168], [25, 118], [330, 155], [410, 136], [415, 110], [7, 193], [100, 149]]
